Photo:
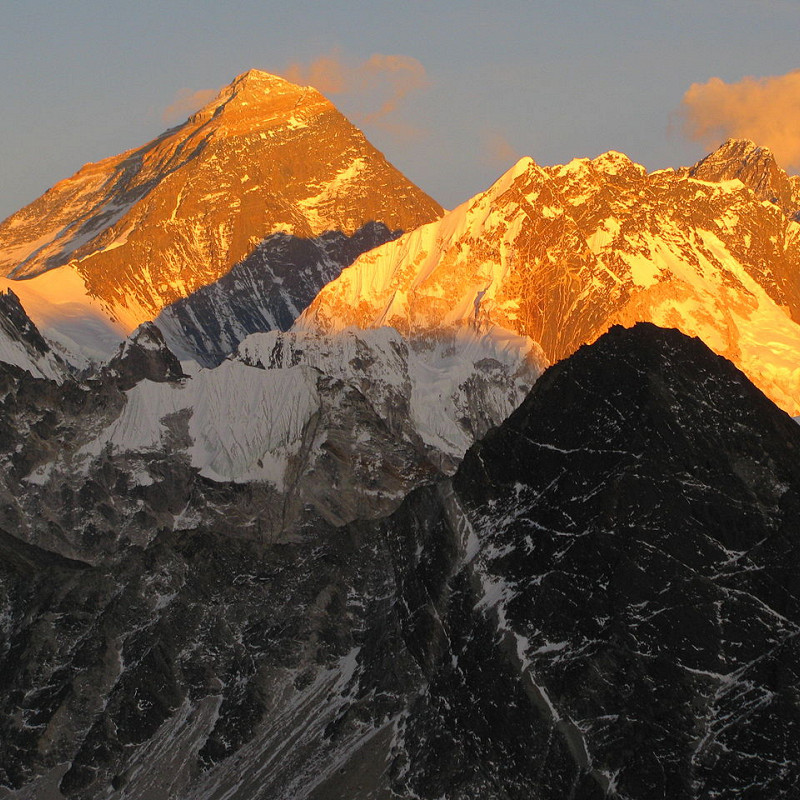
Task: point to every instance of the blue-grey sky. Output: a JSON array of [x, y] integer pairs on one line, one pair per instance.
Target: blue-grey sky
[[553, 79]]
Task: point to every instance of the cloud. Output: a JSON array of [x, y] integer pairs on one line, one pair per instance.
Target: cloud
[[497, 150], [326, 73], [766, 110], [187, 102], [402, 75], [380, 83]]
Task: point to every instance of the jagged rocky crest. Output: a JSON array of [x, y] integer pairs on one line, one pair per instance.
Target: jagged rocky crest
[[145, 355], [601, 602], [755, 167], [558, 254]]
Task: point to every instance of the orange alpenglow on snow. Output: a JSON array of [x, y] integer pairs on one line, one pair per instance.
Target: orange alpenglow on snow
[[559, 254], [150, 226]]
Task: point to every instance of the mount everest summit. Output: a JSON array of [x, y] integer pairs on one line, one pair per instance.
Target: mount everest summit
[[280, 515], [126, 236]]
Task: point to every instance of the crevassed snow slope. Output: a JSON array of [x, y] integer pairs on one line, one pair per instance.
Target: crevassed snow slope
[[449, 386], [242, 423]]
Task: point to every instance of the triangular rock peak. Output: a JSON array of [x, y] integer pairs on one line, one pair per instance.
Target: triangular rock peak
[[151, 225]]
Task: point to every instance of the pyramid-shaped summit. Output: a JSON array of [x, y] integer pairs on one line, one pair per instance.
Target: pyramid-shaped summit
[[254, 98], [153, 224], [755, 166]]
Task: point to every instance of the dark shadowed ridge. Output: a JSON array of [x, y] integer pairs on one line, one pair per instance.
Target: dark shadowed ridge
[[266, 291]]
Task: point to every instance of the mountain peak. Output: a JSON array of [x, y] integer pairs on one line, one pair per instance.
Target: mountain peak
[[740, 150], [144, 355], [524, 166], [151, 225], [258, 76], [255, 92], [754, 165], [613, 162], [258, 83]]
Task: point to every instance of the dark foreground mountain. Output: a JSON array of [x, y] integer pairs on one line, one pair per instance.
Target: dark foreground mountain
[[603, 601], [612, 607]]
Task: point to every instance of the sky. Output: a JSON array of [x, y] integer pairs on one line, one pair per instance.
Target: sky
[[451, 91]]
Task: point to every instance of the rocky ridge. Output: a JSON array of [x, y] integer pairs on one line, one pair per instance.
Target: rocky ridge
[[755, 167], [558, 254], [607, 604], [266, 291], [22, 345]]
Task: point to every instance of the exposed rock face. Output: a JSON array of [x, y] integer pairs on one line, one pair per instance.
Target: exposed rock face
[[623, 557], [601, 602], [143, 356], [755, 167], [154, 224], [340, 426], [22, 345], [266, 291], [559, 254]]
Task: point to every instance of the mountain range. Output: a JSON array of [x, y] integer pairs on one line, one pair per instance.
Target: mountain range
[[559, 254], [313, 489]]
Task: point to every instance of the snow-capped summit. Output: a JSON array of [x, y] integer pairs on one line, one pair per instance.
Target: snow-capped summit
[[252, 98], [149, 226]]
